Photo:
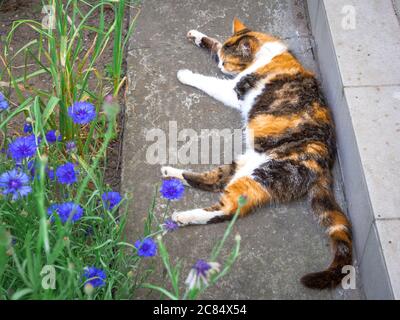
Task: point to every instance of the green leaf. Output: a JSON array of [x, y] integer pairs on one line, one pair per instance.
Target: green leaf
[[4, 242], [23, 107], [159, 289], [48, 111], [21, 293]]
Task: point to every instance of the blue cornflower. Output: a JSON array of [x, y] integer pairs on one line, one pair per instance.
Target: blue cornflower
[[23, 147], [111, 199], [96, 277], [200, 273], [146, 248], [66, 174], [82, 112], [3, 102], [65, 211], [170, 225], [16, 183], [28, 127], [172, 189], [70, 146], [51, 137]]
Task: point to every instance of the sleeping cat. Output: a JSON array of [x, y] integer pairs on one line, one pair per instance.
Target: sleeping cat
[[290, 140]]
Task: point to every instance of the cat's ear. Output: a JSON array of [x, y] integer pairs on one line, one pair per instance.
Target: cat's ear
[[237, 26]]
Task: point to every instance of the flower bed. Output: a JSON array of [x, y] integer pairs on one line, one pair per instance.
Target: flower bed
[[61, 227]]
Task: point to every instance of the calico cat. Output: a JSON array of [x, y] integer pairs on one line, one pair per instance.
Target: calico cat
[[290, 139]]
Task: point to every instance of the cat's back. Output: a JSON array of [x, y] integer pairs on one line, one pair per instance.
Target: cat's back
[[290, 115]]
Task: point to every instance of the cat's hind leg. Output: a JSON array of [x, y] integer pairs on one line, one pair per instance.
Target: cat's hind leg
[[253, 192], [214, 180]]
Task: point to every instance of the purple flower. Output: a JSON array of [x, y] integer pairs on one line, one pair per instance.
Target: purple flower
[[111, 199], [95, 277], [28, 127], [3, 102], [51, 137], [65, 210], [82, 112], [200, 273], [23, 147], [146, 248], [70, 146], [170, 225], [16, 183], [66, 174], [172, 189]]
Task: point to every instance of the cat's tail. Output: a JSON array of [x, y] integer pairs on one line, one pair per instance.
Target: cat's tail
[[339, 230]]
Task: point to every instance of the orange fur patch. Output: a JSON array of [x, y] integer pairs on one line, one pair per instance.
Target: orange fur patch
[[321, 114], [254, 193], [312, 165], [317, 148], [266, 124], [339, 219], [283, 64]]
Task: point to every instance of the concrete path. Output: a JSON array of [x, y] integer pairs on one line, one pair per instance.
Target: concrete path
[[279, 243]]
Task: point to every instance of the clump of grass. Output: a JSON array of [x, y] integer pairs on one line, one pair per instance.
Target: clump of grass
[[62, 230], [62, 54]]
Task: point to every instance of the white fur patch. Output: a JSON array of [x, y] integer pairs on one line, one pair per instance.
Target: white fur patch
[[247, 163], [250, 99], [219, 89], [336, 228], [170, 172], [196, 216], [267, 52], [196, 36]]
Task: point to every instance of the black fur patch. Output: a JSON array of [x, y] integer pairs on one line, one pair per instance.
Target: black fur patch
[[242, 32], [285, 180], [245, 84], [298, 93], [220, 219]]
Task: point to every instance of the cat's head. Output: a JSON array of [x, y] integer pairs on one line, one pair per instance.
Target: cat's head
[[240, 50]]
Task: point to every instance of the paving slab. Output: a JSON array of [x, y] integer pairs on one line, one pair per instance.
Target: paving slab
[[279, 243], [376, 119], [389, 236], [366, 39]]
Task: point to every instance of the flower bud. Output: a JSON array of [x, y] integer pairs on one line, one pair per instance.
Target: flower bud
[[89, 289]]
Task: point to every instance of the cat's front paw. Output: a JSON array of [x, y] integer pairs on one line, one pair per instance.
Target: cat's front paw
[[196, 37], [181, 218], [185, 76]]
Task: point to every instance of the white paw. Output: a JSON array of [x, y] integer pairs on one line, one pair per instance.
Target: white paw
[[185, 76], [181, 218], [195, 36], [169, 172], [196, 216]]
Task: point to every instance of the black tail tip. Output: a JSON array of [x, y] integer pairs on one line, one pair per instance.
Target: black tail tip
[[328, 279]]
